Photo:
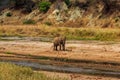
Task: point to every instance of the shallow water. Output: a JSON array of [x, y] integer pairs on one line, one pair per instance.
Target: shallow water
[[62, 68]]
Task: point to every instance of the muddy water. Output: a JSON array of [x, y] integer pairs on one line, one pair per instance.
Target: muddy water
[[63, 68]]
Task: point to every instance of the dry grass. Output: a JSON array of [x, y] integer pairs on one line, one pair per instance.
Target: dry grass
[[12, 72], [71, 33]]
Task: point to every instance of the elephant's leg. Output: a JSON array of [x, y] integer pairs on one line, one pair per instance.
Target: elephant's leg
[[63, 47], [56, 47], [60, 46]]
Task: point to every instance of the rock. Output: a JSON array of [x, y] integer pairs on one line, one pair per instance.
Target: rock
[[32, 14], [76, 13], [3, 15]]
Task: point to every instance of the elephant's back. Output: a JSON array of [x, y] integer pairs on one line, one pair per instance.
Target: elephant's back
[[60, 39], [56, 40]]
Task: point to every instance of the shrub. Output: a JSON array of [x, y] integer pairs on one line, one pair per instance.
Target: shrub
[[44, 6], [67, 2], [48, 23], [117, 19], [29, 21], [8, 14]]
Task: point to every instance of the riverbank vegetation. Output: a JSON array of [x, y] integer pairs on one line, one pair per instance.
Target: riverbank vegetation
[[13, 72], [103, 34]]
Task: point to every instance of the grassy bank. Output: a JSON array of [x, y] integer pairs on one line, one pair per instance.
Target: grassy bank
[[12, 72], [71, 33]]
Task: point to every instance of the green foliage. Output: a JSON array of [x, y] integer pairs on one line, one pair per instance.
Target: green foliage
[[8, 14], [117, 19], [29, 21], [44, 6], [48, 23], [67, 2]]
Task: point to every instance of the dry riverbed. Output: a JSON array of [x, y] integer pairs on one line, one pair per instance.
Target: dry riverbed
[[98, 51], [91, 54]]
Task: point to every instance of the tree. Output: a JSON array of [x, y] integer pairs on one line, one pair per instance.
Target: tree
[[44, 6], [67, 2]]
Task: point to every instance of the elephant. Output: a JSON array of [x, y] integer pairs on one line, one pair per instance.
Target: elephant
[[59, 41]]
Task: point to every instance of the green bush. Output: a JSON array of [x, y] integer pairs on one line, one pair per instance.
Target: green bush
[[8, 14], [48, 23], [67, 2], [44, 6], [29, 21]]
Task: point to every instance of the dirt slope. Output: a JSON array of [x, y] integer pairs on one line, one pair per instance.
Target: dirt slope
[[78, 13]]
